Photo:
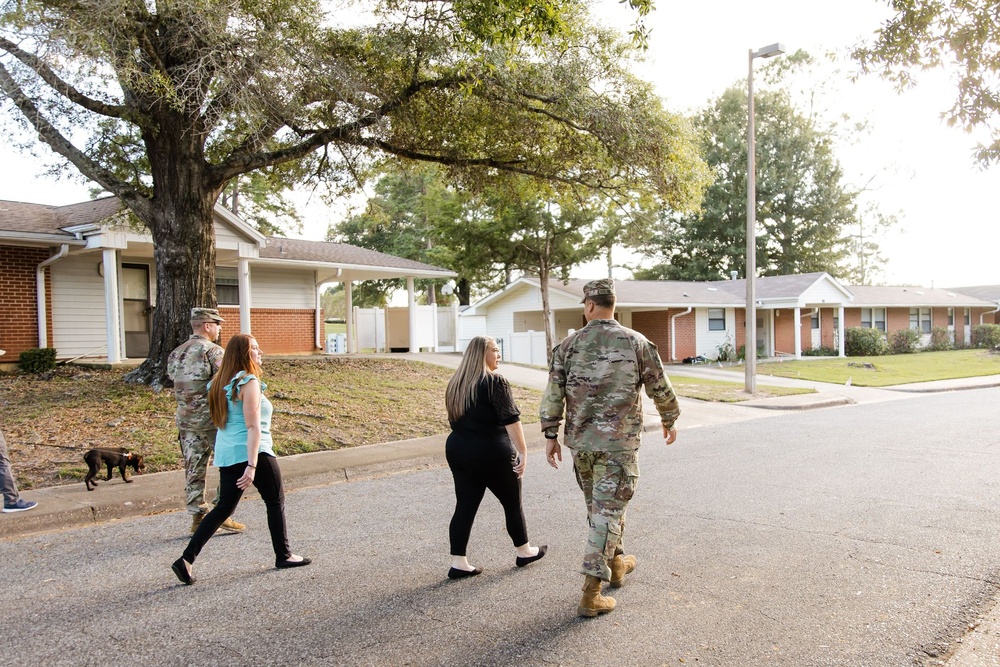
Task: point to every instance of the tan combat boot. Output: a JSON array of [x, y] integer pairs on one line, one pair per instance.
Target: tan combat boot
[[196, 521], [233, 526], [593, 603], [620, 566]]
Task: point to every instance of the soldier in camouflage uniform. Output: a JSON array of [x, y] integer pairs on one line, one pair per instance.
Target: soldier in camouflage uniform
[[191, 365], [596, 374]]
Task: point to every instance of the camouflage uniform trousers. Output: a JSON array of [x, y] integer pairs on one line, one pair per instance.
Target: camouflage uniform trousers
[[608, 481], [197, 447]]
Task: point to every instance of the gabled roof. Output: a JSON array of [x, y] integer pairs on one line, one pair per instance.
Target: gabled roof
[[984, 292], [681, 294], [346, 256], [889, 296], [42, 219]]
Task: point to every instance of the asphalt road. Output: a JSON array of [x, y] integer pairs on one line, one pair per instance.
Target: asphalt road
[[857, 535]]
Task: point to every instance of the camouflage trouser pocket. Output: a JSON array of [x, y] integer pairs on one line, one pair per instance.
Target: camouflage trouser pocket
[[628, 481], [612, 542]]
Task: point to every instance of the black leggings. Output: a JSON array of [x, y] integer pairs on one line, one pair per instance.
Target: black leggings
[[267, 479], [473, 475]]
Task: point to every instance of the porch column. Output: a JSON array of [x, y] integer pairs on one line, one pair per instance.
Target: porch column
[[798, 332], [352, 346], [243, 274], [411, 303], [840, 332], [112, 305]]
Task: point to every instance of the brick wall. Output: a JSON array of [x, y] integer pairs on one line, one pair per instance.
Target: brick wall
[[655, 325], [896, 318], [277, 330], [18, 299]]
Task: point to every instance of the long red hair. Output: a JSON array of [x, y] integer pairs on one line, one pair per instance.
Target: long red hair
[[237, 358]]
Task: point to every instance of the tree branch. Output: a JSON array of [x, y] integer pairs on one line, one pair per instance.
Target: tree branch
[[46, 74], [54, 138]]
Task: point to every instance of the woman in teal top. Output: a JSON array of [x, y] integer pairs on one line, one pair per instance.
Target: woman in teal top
[[242, 415]]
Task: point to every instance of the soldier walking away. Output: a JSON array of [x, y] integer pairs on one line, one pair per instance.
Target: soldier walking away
[[191, 365], [595, 376]]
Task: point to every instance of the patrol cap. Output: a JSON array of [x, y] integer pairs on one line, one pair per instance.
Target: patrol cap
[[598, 287], [205, 315]]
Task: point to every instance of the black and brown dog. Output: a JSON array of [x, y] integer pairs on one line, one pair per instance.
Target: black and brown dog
[[111, 457]]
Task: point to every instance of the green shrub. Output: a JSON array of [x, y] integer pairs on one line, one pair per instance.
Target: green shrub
[[820, 352], [726, 351], [864, 342], [985, 336], [904, 341], [941, 339], [37, 360], [742, 352]]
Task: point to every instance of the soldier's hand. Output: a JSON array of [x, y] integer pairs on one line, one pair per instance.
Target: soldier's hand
[[553, 452], [669, 435]]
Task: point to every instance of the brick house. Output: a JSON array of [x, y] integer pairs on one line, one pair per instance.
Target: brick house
[[688, 319], [81, 278]]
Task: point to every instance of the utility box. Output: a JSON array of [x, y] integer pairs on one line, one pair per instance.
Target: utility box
[[336, 343]]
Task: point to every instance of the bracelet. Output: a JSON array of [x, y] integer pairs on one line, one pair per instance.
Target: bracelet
[[250, 466], [551, 437]]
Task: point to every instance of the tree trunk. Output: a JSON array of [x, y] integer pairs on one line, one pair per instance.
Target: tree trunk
[[183, 248], [464, 291]]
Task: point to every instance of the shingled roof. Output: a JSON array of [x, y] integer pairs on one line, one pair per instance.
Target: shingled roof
[[342, 254], [42, 219]]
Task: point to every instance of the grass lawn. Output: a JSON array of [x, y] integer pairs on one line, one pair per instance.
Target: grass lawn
[[888, 370], [722, 391]]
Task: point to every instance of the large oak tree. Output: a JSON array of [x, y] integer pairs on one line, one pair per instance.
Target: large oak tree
[[164, 103]]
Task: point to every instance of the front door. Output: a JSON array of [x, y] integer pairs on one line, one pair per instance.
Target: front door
[[135, 309]]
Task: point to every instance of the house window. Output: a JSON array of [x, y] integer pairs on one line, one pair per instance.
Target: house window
[[968, 316], [873, 318], [920, 319], [814, 320], [227, 287], [951, 317], [716, 319]]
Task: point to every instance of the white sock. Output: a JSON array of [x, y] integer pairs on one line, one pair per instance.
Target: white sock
[[526, 550], [461, 563]]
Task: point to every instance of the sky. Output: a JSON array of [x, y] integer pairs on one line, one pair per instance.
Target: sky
[[919, 169]]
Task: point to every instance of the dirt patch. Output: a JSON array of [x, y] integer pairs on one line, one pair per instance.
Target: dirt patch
[[320, 404]]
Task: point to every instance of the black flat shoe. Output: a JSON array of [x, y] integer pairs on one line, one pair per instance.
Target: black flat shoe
[[455, 573], [285, 564], [521, 562], [183, 571]]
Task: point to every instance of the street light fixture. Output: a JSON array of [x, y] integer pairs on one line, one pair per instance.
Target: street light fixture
[[750, 347]]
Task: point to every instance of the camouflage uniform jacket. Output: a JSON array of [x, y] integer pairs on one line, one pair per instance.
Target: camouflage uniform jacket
[[596, 374], [191, 365]]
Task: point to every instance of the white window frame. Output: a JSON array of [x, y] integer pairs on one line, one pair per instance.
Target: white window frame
[[713, 322]]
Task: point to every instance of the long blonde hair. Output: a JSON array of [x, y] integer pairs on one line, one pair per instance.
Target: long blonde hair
[[237, 358], [461, 392]]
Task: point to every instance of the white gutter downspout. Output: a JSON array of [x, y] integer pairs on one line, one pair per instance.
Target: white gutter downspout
[[673, 333], [989, 312], [43, 327]]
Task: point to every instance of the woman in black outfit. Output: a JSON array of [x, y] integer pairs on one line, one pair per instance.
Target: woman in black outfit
[[486, 450]]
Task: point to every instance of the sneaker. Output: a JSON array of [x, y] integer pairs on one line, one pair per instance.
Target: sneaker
[[21, 505], [233, 526]]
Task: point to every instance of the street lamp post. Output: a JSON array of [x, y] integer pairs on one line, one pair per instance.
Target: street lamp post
[[750, 325]]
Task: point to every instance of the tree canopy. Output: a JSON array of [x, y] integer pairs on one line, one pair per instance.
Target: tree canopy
[[962, 35], [803, 204], [164, 104]]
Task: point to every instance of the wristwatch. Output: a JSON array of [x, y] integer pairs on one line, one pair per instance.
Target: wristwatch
[[551, 437]]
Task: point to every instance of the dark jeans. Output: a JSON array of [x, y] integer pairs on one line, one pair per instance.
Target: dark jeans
[[474, 474], [268, 482]]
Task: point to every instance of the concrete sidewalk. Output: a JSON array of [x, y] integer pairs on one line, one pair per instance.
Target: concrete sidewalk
[[72, 506]]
